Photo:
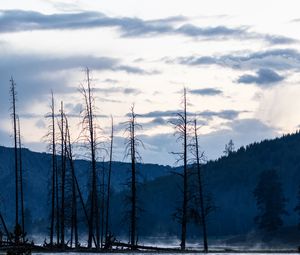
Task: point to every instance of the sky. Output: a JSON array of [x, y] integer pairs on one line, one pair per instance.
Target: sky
[[239, 60]]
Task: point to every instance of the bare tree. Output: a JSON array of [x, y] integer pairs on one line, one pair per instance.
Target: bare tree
[[74, 207], [63, 174], [107, 223], [198, 157], [75, 191], [181, 125], [89, 136], [131, 151], [51, 139], [14, 118], [21, 180]]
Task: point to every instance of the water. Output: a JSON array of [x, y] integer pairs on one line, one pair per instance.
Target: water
[[169, 253]]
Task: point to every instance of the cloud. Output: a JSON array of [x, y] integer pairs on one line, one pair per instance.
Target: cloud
[[21, 20], [157, 114], [36, 75], [224, 114], [262, 77], [276, 59], [241, 131], [206, 92], [113, 90], [44, 63], [219, 31]]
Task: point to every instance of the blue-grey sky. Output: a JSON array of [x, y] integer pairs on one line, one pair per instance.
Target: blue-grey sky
[[239, 61]]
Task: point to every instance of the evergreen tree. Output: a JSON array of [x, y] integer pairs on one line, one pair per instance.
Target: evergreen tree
[[229, 148], [270, 201], [297, 208]]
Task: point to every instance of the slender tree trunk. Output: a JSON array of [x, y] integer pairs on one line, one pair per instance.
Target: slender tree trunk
[[185, 180], [133, 185], [53, 171], [107, 225], [102, 204], [21, 181], [76, 190], [200, 185], [63, 174], [93, 159], [57, 207], [14, 116]]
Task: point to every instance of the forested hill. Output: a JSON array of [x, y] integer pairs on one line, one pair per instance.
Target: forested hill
[[231, 181], [37, 179]]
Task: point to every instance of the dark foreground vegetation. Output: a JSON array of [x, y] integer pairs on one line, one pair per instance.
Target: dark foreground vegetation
[[249, 196]]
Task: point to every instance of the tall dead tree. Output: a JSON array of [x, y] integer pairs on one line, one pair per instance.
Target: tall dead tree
[[131, 151], [21, 181], [200, 187], [89, 135], [107, 223], [51, 139], [63, 174], [181, 125], [76, 191], [74, 214], [14, 118], [102, 202]]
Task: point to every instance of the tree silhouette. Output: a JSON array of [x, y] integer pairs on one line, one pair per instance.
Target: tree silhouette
[[14, 117], [131, 151], [270, 201], [89, 134], [181, 125], [107, 221], [198, 157], [229, 148]]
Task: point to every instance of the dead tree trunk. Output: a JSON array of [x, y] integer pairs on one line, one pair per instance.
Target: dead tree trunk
[[185, 179], [131, 151], [200, 186], [53, 183], [74, 217], [21, 181], [17, 231], [14, 117], [107, 225], [181, 131], [89, 127], [63, 174], [102, 203], [57, 206]]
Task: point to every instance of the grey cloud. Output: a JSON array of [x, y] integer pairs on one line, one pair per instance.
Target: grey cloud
[[224, 114], [206, 92], [74, 109], [276, 59], [159, 121], [156, 114], [276, 39], [111, 81], [20, 20], [220, 31], [262, 77], [121, 90], [41, 124], [36, 75], [43, 63]]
